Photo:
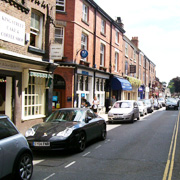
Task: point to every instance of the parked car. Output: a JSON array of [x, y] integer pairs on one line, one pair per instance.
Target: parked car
[[171, 103], [67, 128], [150, 105], [142, 108], [157, 105], [162, 101], [15, 154], [124, 110]]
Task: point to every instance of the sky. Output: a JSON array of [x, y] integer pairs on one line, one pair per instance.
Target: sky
[[156, 23]]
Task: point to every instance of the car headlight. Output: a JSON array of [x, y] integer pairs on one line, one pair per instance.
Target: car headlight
[[67, 132], [30, 132], [110, 114]]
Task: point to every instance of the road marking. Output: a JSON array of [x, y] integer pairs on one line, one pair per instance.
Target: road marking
[[110, 127], [170, 161], [70, 164], [86, 154], [49, 176], [37, 161], [98, 147]]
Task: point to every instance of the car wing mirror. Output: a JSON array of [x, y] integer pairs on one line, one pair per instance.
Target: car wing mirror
[[88, 119]]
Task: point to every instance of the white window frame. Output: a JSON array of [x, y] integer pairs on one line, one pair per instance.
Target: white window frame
[[36, 31], [85, 13], [103, 26], [101, 93], [116, 61], [59, 36], [62, 4], [117, 37], [102, 54], [34, 99], [126, 49], [84, 43]]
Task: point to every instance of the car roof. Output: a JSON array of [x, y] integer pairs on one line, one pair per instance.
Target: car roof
[[3, 116]]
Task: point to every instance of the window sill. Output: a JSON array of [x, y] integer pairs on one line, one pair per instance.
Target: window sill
[[103, 34], [60, 12], [85, 22], [117, 43], [82, 62], [36, 50], [102, 68], [33, 117]]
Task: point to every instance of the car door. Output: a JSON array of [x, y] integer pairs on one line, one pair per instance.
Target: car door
[[92, 125], [8, 146]]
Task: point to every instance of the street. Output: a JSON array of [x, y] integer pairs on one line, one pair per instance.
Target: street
[[148, 149]]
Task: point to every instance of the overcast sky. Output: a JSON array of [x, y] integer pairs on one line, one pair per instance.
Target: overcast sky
[[157, 25]]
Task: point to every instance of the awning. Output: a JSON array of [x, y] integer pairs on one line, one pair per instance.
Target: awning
[[120, 84], [40, 74]]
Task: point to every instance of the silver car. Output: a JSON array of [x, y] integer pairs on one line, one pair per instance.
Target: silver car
[[124, 110], [15, 154]]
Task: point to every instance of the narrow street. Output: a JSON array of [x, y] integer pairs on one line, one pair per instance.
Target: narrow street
[[148, 149]]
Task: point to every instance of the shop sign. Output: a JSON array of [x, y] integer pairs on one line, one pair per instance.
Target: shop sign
[[10, 66], [84, 53], [56, 51], [132, 68], [12, 29]]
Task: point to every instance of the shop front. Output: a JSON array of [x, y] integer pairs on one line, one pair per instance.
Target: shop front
[[122, 87]]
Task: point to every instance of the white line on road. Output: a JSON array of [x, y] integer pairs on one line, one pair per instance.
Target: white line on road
[[70, 164], [49, 176], [98, 147], [86, 154], [37, 161]]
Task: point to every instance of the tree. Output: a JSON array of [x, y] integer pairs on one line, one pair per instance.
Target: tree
[[174, 85]]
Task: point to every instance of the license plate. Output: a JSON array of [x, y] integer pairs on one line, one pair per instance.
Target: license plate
[[118, 116], [44, 144]]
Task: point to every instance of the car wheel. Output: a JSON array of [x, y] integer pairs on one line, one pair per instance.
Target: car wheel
[[103, 133], [24, 167], [81, 142], [132, 119], [138, 118], [166, 108]]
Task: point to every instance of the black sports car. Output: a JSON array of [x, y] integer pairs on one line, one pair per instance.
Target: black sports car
[[67, 128]]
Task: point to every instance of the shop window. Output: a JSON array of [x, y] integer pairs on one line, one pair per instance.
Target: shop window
[[36, 29], [81, 83], [34, 97], [97, 85], [86, 84]]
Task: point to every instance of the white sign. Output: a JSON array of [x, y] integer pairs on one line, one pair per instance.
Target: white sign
[[12, 29], [56, 51], [147, 89]]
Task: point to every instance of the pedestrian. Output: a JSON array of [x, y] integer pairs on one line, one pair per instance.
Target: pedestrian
[[113, 100], [95, 104]]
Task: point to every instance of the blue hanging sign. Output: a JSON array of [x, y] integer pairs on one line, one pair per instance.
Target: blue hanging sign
[[84, 53]]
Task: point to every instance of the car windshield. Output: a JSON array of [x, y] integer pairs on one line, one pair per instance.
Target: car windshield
[[122, 105], [66, 115], [171, 100]]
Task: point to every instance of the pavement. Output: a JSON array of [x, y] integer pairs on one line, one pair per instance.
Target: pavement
[[104, 115]]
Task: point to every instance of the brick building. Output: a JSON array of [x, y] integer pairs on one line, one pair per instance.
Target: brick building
[[26, 70], [83, 25]]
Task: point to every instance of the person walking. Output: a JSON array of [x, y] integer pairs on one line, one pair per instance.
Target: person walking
[[95, 104], [113, 100]]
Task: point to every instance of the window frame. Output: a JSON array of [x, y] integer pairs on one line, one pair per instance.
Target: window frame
[[63, 5], [85, 13], [102, 54], [117, 37], [34, 98], [84, 44], [37, 32], [103, 26]]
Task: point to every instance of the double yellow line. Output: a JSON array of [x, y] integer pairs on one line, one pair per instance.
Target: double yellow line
[[170, 161]]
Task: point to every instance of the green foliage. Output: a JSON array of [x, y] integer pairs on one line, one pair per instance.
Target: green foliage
[[134, 81]]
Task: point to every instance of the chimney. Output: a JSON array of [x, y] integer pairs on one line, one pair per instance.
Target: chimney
[[119, 22], [135, 41]]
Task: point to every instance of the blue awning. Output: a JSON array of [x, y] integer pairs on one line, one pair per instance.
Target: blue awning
[[120, 84]]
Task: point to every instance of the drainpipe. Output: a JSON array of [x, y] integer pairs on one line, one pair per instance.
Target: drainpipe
[[94, 53]]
